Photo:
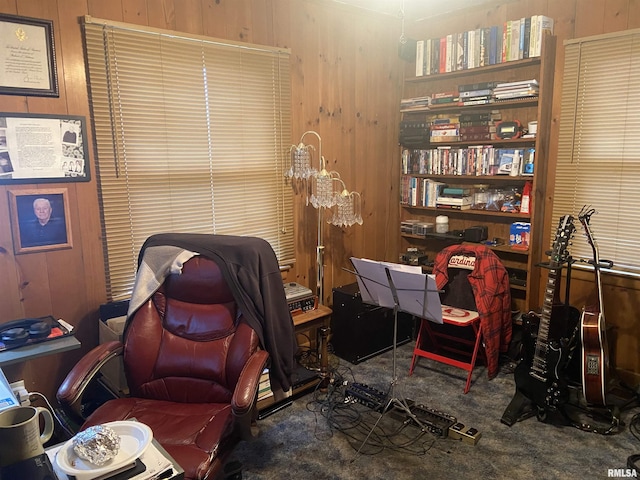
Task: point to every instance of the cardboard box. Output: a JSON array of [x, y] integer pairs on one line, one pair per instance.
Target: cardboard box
[[519, 235], [113, 372]]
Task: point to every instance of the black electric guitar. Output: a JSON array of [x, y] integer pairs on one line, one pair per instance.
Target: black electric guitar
[[550, 338], [595, 362]]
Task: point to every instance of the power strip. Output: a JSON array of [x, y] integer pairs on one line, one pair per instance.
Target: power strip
[[468, 435], [21, 392]]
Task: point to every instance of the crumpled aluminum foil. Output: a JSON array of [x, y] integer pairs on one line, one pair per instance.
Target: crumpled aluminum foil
[[97, 444]]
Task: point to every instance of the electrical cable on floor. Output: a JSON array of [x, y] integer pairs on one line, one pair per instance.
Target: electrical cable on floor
[[359, 423]]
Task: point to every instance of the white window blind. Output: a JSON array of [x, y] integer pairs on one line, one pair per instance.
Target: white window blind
[[599, 145], [192, 134]]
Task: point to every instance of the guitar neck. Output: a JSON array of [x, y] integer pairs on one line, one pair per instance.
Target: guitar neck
[[539, 364]]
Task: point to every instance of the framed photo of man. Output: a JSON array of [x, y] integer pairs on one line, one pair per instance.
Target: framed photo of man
[[40, 220]]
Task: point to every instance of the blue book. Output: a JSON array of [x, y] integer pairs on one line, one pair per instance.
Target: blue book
[[493, 44]]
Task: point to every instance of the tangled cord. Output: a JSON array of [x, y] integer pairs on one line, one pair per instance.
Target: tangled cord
[[365, 430]]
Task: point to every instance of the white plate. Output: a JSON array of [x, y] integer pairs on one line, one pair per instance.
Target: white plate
[[134, 439]]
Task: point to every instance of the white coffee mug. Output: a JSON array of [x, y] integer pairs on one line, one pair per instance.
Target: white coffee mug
[[20, 436]]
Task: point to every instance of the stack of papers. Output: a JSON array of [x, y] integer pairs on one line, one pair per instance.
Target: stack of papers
[[156, 463]]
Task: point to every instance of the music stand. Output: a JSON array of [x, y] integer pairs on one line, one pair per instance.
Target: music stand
[[403, 288]]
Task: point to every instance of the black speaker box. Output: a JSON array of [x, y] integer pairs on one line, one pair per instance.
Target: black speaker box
[[360, 331]]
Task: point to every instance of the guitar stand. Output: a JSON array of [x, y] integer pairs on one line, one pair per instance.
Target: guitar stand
[[520, 408]]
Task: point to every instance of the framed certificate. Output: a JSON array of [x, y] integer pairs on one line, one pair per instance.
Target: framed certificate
[[27, 57]]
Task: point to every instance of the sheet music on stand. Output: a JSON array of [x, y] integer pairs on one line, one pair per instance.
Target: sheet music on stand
[[416, 291]]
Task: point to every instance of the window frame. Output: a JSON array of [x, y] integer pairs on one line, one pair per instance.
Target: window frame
[[183, 120]]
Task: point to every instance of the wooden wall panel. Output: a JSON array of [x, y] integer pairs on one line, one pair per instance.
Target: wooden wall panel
[[346, 84]]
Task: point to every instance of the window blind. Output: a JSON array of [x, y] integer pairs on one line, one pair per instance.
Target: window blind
[[599, 145], [192, 135]]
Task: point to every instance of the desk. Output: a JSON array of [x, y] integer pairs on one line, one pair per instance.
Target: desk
[[320, 319], [29, 352]]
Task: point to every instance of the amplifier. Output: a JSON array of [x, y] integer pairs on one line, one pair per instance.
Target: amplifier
[[299, 298], [360, 331]]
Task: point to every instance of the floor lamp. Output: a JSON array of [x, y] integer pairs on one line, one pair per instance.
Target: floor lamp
[[324, 190]]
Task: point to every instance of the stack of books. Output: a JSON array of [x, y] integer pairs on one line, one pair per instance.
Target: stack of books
[[415, 103], [264, 387], [444, 129], [479, 126], [455, 198], [476, 93], [444, 99], [516, 90]]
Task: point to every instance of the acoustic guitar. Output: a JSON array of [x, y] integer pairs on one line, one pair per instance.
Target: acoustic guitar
[[550, 338], [595, 362]]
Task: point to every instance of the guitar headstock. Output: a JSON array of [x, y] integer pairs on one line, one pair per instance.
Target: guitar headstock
[[564, 233], [585, 217]]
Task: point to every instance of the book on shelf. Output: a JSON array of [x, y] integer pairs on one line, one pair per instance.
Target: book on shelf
[[420, 58], [480, 101], [488, 128], [475, 93], [444, 126], [472, 137], [447, 200], [541, 25], [456, 192], [453, 207], [520, 83]]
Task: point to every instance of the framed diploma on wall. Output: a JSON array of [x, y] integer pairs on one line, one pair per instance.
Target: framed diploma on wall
[[27, 57], [37, 148]]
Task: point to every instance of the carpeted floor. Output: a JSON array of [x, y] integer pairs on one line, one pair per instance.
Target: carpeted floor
[[305, 440]]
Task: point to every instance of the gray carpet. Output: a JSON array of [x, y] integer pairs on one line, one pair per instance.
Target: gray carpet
[[298, 442]]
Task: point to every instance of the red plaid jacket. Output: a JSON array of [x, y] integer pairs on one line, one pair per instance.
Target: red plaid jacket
[[490, 284]]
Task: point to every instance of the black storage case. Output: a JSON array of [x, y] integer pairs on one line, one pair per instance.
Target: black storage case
[[360, 331]]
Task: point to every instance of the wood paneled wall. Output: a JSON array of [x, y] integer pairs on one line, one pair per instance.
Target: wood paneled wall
[[346, 84]]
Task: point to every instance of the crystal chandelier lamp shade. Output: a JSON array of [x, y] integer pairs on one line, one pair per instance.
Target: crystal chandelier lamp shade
[[347, 211]]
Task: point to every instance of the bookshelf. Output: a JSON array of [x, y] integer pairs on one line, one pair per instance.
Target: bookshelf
[[522, 264]]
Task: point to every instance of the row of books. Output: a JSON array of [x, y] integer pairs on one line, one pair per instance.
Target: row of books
[[474, 160], [513, 40], [419, 192], [482, 93], [426, 192]]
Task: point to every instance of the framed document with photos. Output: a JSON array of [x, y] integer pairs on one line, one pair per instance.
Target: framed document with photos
[[43, 149]]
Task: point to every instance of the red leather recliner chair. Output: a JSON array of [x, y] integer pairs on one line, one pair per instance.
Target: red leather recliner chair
[[192, 365]]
